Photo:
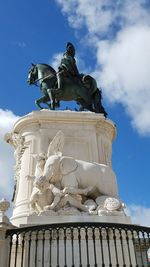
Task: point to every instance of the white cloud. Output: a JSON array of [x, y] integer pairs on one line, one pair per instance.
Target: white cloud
[[125, 73], [55, 61], [7, 120], [99, 15], [119, 32], [139, 214], [88, 13], [135, 12]]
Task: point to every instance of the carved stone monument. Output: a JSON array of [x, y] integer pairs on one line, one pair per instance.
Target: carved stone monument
[[63, 169]]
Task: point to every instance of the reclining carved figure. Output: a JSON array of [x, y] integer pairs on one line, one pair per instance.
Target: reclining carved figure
[[70, 172]]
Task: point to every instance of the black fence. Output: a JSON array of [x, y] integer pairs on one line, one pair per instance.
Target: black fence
[[79, 244]]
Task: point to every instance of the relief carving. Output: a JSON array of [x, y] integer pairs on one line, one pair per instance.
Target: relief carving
[[67, 186]]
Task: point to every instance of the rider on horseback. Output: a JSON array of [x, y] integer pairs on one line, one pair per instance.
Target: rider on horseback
[[72, 85], [68, 67]]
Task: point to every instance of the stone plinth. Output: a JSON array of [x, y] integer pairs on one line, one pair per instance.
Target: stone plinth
[[34, 220], [88, 137]]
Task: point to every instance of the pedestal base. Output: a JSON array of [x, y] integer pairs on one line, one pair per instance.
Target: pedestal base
[[43, 219], [69, 219]]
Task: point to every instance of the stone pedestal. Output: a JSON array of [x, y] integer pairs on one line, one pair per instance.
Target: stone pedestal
[[88, 137]]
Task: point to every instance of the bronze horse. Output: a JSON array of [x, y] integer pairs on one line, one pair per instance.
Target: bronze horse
[[84, 93]]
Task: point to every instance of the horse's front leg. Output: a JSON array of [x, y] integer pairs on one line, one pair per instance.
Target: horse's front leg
[[43, 99], [52, 99]]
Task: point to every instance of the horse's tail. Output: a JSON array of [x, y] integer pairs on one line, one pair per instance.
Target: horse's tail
[[97, 97], [87, 79]]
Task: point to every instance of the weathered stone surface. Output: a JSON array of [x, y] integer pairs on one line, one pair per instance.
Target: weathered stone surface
[[86, 140]]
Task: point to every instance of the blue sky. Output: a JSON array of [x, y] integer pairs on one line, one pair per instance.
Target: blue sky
[[112, 40]]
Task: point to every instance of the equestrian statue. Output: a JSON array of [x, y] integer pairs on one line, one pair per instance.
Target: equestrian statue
[[66, 84]]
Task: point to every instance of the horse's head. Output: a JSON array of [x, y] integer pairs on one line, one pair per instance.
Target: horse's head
[[33, 74]]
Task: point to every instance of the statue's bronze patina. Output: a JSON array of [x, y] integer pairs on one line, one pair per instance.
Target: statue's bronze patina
[[67, 84]]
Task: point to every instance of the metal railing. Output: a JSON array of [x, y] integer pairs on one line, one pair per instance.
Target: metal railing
[[79, 244]]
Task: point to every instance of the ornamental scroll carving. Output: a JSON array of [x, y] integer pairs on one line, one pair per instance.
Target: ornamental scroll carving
[[17, 141]]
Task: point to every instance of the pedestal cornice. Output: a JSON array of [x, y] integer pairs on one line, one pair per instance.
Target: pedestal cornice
[[47, 116]]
